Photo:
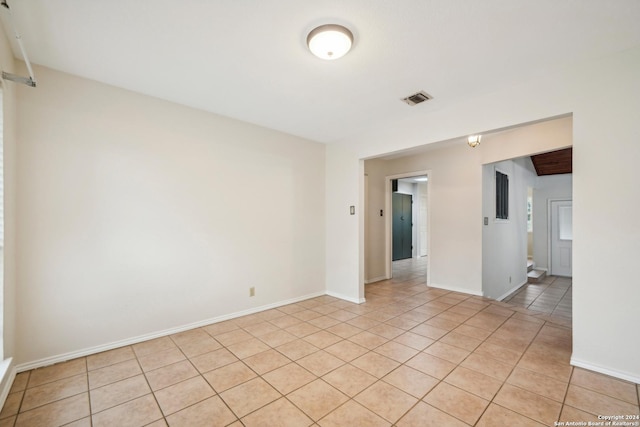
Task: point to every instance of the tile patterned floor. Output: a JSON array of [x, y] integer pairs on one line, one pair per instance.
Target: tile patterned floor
[[552, 295], [410, 356]]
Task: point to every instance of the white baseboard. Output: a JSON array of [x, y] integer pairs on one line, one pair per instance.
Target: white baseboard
[[634, 378], [146, 337], [346, 298], [455, 289], [7, 375], [375, 279], [515, 288]]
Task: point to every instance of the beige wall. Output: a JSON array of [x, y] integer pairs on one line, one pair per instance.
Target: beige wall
[[345, 232], [605, 192], [9, 285], [455, 201], [138, 216], [455, 177], [374, 251], [103, 172], [533, 138]]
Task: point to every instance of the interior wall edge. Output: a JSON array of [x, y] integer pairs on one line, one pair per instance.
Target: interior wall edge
[[456, 289], [7, 376], [512, 290], [346, 297], [605, 370]]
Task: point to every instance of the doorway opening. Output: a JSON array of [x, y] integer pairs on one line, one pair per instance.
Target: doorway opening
[[527, 255], [407, 228]]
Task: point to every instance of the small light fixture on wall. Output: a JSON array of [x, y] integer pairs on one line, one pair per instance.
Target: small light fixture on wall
[[330, 41], [474, 140]]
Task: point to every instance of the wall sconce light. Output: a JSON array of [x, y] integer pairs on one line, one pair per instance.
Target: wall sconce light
[[330, 41], [474, 140]]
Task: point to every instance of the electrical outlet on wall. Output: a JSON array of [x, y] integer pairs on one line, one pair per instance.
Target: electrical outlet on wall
[[252, 291]]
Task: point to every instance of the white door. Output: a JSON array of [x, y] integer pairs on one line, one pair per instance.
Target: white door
[[561, 237]]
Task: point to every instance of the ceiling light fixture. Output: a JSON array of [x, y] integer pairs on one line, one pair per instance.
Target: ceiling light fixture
[[474, 140], [330, 41]]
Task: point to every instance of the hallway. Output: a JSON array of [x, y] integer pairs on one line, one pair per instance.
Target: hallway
[[552, 295], [410, 269]]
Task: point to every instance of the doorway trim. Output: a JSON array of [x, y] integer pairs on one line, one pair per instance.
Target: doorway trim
[[388, 248]]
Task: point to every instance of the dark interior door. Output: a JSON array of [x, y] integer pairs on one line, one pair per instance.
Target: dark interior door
[[402, 226]]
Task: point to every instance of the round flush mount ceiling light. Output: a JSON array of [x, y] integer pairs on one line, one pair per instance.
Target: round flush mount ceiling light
[[330, 41]]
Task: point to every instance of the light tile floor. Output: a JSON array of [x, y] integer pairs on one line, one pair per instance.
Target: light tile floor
[[552, 295], [410, 356]]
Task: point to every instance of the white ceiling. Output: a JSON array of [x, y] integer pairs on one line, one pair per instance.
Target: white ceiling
[[247, 59]]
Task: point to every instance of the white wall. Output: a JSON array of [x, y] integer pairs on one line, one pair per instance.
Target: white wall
[[606, 200], [137, 216], [456, 187], [375, 202], [547, 187], [605, 194], [405, 188], [345, 232], [456, 184], [9, 285], [504, 242]]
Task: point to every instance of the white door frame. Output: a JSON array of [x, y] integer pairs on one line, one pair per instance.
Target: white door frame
[[549, 235], [388, 225]]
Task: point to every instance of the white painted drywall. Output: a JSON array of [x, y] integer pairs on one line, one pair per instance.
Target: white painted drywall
[[546, 188], [9, 140], [606, 201], [605, 194], [606, 198], [344, 236], [375, 249], [457, 161], [405, 188], [456, 184], [504, 242], [138, 215]]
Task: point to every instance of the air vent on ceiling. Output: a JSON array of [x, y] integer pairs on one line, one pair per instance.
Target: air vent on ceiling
[[417, 98]]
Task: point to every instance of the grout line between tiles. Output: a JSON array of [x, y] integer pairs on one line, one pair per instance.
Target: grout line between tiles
[[155, 399], [506, 378], [86, 366], [388, 299]]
